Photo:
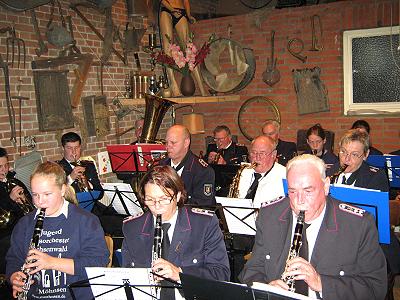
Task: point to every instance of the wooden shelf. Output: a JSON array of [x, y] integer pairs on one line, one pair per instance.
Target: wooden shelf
[[187, 100]]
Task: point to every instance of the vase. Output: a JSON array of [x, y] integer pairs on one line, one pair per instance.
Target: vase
[[187, 85]]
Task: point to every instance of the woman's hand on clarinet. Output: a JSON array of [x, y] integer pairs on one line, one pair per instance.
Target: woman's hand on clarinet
[[165, 268], [17, 280], [40, 261]]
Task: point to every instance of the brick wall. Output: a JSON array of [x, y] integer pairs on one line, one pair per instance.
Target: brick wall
[[252, 30]]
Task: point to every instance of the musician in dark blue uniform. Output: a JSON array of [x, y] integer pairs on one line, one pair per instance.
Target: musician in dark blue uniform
[[225, 151], [195, 242], [285, 150], [316, 139], [364, 126], [353, 151], [196, 174]]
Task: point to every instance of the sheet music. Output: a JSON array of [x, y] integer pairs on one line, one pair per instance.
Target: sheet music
[[279, 291], [127, 195], [239, 215], [118, 276]]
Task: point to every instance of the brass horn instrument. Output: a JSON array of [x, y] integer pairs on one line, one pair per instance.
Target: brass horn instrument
[[5, 218], [234, 186], [315, 46], [83, 183], [155, 110], [26, 204]]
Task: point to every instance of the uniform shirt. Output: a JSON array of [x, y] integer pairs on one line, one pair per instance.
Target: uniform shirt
[[269, 187], [365, 176], [329, 158], [198, 178]]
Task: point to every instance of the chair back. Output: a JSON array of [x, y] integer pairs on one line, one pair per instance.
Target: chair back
[[110, 246]]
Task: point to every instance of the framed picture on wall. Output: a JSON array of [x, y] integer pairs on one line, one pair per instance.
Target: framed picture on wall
[[371, 67]]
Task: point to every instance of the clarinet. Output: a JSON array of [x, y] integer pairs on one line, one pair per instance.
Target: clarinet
[[295, 248], [156, 251], [33, 245]]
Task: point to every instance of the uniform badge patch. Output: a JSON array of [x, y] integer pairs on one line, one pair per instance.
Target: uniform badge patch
[[268, 203], [130, 218], [373, 169], [203, 163], [202, 211], [352, 209], [208, 189]]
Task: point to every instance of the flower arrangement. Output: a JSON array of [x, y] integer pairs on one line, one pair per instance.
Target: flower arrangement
[[184, 58]]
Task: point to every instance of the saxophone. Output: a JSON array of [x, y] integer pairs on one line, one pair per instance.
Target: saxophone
[[234, 186], [33, 245], [217, 156], [156, 251], [295, 248]]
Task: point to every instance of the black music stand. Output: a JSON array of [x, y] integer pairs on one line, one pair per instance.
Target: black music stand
[[126, 286], [196, 288], [87, 199], [118, 194]]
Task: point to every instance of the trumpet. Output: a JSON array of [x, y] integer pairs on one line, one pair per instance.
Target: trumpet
[[26, 204], [82, 181], [217, 156], [6, 218]]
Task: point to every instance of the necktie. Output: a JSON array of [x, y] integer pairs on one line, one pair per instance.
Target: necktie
[[344, 180], [300, 285], [251, 193], [166, 293], [165, 242]]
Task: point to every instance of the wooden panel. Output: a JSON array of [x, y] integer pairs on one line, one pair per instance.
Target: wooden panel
[[52, 100], [95, 112]]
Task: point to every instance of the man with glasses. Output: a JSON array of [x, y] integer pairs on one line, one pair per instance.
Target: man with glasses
[[285, 150], [264, 182], [196, 174], [353, 151], [225, 151]]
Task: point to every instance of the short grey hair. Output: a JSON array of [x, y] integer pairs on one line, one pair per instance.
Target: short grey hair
[[307, 159], [275, 123]]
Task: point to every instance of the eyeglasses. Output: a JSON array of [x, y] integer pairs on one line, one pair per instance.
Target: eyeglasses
[[220, 139], [261, 154], [161, 201], [353, 155]]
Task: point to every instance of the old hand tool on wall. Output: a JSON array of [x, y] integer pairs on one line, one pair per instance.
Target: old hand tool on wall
[[13, 43], [297, 53], [271, 74], [10, 108]]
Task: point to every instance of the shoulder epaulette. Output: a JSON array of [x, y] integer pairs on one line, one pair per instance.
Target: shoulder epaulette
[[352, 209], [130, 218], [373, 169], [202, 211], [274, 201], [203, 163]]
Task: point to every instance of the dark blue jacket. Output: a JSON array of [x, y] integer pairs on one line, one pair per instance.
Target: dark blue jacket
[[79, 237], [197, 244], [199, 179]]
